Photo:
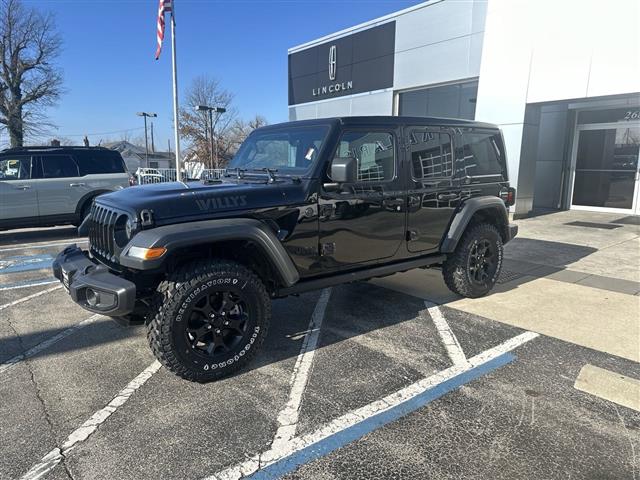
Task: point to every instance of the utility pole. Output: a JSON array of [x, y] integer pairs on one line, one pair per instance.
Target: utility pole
[[146, 142], [153, 146], [212, 125]]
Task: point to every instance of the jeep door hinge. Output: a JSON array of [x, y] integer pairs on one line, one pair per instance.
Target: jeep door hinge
[[412, 235]]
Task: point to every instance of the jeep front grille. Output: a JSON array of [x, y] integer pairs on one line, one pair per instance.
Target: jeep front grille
[[102, 222]]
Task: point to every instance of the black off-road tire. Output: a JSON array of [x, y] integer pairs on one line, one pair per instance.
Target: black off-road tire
[[460, 270], [177, 325]]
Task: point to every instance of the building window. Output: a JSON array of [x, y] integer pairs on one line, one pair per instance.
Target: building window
[[450, 101]]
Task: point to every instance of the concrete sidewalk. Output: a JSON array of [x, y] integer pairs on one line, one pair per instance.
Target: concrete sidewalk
[[570, 275]]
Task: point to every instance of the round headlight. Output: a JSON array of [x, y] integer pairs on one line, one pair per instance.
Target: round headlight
[[124, 230], [129, 227]]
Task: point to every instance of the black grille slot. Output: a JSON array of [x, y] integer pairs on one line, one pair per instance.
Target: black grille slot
[[102, 232]]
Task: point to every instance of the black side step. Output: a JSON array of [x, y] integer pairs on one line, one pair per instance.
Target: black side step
[[364, 274]]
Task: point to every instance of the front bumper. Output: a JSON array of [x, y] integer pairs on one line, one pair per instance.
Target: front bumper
[[91, 285]]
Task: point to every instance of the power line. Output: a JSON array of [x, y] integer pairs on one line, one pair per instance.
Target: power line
[[95, 133]]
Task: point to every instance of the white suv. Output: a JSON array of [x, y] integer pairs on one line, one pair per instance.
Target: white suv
[[45, 186]]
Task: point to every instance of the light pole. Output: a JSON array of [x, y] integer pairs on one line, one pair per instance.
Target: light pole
[[212, 125], [146, 141]]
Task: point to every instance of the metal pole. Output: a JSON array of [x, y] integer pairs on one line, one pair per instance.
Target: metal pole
[[153, 147], [175, 90], [213, 164], [146, 143]]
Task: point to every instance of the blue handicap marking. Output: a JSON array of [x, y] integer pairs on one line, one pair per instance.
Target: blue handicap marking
[[25, 263]]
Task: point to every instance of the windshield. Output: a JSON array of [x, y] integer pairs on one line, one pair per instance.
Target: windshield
[[292, 151]]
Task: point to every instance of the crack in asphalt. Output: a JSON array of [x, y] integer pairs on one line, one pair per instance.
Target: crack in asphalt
[[39, 397]]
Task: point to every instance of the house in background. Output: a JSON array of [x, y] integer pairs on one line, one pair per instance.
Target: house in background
[[135, 156]]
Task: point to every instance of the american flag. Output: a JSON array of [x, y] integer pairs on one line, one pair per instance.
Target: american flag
[[164, 7]]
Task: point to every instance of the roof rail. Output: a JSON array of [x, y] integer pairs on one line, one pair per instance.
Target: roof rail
[[49, 147]]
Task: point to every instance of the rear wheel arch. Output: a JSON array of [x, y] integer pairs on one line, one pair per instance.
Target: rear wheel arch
[[487, 210]]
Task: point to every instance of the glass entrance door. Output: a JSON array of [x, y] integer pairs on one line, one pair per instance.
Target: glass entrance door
[[606, 168]]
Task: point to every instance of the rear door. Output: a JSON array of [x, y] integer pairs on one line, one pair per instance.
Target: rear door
[[434, 190], [59, 186], [18, 195], [364, 221]]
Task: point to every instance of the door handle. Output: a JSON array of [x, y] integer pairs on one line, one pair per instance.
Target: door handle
[[76, 184], [447, 196], [23, 187]]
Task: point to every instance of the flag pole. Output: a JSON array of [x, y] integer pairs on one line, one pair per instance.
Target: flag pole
[[175, 90]]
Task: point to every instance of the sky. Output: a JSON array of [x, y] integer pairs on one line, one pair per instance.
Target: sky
[[110, 72]]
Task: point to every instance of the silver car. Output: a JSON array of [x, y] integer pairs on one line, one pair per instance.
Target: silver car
[[45, 186]]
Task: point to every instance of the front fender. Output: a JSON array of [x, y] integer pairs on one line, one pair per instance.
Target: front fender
[[181, 235]]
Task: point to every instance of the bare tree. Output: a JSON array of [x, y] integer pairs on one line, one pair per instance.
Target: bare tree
[[29, 79], [194, 125], [238, 132]]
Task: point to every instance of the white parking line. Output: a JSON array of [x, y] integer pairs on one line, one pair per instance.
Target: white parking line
[[360, 415], [12, 362], [36, 283], [454, 350], [288, 417], [43, 245], [79, 435], [29, 297]]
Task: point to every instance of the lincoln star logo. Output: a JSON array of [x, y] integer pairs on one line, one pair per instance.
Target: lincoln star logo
[[332, 63], [333, 87]]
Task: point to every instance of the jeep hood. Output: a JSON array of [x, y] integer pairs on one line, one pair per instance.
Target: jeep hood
[[175, 201]]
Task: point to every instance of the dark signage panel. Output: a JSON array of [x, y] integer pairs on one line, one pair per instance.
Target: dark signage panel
[[357, 63]]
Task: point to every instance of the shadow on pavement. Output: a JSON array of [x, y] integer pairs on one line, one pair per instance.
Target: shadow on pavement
[[13, 237]]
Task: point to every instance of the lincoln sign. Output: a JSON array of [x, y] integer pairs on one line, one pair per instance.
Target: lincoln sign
[[357, 63]]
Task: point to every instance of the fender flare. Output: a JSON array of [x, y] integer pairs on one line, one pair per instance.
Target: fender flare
[[183, 235], [462, 218]]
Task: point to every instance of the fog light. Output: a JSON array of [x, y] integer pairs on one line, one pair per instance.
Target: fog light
[[93, 297]]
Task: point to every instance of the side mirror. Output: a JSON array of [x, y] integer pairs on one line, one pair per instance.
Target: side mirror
[[344, 170]]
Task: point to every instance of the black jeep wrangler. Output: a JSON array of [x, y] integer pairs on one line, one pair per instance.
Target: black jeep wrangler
[[304, 205]]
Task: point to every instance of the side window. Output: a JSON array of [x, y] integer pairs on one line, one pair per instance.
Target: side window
[[483, 154], [96, 162], [15, 168], [58, 166], [374, 153], [430, 154]]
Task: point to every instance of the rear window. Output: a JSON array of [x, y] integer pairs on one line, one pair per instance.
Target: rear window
[[483, 154], [97, 162]]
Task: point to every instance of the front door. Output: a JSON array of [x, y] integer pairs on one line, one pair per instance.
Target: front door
[[364, 221], [18, 195], [606, 168]]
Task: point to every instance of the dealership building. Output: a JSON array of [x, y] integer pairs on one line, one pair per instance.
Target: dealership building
[[560, 78]]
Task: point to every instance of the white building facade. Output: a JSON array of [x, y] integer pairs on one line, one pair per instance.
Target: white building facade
[[561, 78]]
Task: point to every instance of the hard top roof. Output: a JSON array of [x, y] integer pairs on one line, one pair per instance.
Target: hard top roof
[[366, 121]]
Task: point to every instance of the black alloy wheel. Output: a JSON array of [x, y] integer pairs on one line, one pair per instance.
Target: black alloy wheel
[[482, 263], [216, 323]]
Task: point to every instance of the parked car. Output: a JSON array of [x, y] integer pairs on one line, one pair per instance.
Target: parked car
[[305, 205], [145, 176], [45, 186]]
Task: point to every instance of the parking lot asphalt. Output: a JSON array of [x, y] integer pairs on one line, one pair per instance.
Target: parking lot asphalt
[[357, 381]]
